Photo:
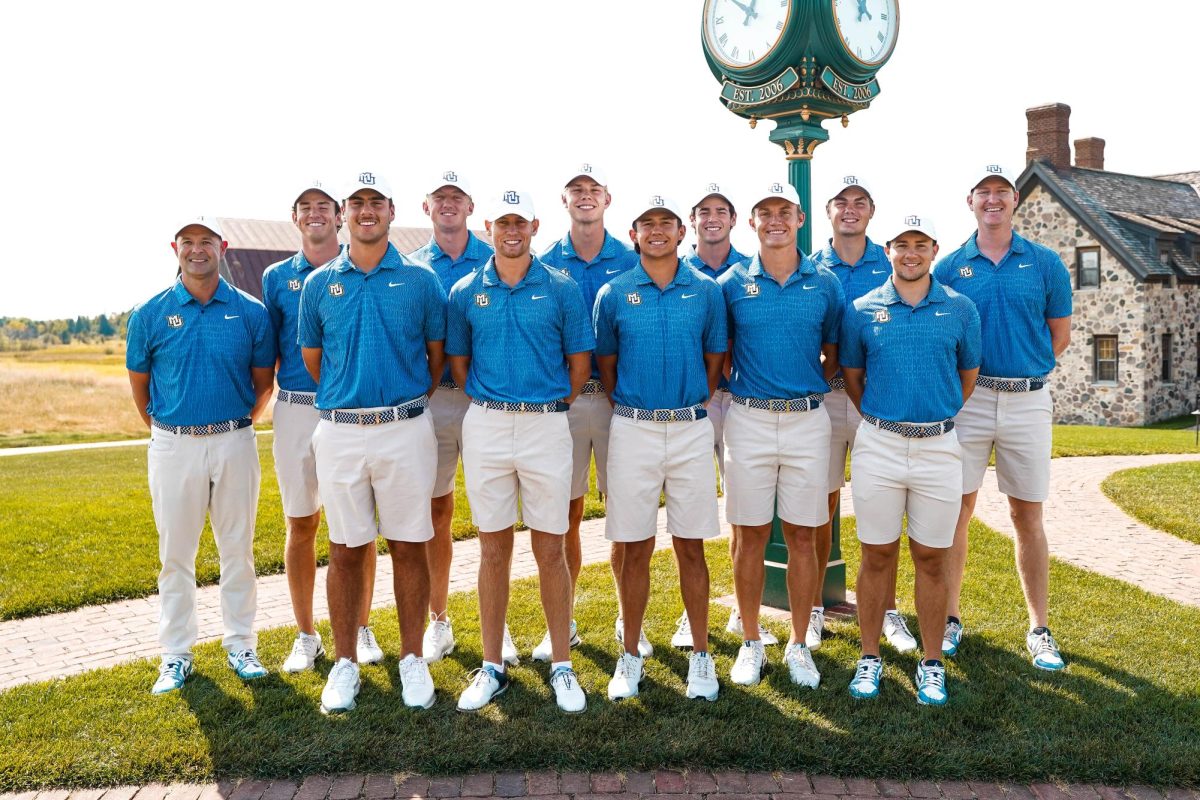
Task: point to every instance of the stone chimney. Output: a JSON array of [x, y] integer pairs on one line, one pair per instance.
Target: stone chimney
[[1089, 153], [1049, 134]]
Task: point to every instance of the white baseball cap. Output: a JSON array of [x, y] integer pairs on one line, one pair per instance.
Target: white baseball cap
[[659, 202], [912, 222], [203, 222], [708, 190], [979, 175], [513, 201], [845, 182], [778, 189], [450, 177], [588, 170], [369, 180], [324, 187]]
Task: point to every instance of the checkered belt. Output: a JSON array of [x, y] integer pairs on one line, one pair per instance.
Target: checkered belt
[[1010, 384], [911, 430], [413, 408], [592, 387], [808, 403], [689, 414], [837, 383], [204, 430], [522, 408], [297, 398], [448, 384]]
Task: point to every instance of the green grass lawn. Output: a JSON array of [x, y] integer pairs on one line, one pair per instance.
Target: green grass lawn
[[76, 528], [1166, 497], [1093, 440], [1121, 713]]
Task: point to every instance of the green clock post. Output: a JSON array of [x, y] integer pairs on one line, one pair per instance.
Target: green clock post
[[799, 63]]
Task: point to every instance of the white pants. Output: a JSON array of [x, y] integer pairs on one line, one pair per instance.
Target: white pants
[[295, 464], [590, 418], [191, 476], [447, 407]]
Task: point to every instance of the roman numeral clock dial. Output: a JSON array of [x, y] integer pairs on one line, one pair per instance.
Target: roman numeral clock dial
[[741, 33], [867, 28]]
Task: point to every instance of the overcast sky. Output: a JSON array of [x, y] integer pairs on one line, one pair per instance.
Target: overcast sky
[[124, 118]]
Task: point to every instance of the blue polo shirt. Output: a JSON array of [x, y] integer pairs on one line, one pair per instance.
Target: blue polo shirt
[[615, 258], [199, 355], [660, 336], [868, 273], [1015, 298], [518, 337], [777, 331], [912, 354], [372, 328], [282, 282], [450, 271], [695, 262]]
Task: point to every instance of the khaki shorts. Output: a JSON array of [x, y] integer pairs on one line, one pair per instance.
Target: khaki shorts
[[718, 413], [777, 459], [512, 459], [448, 407], [1019, 426], [386, 469], [648, 458], [295, 464], [895, 476], [843, 423], [589, 419]]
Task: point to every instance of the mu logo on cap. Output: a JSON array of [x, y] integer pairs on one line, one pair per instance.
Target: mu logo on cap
[[367, 178], [481, 299], [336, 290], [776, 187], [634, 299], [912, 220], [995, 168], [317, 185], [512, 198], [850, 180], [294, 284], [175, 321], [657, 200], [450, 176], [712, 187], [585, 169]]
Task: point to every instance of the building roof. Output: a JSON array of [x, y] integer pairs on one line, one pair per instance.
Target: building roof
[[1132, 215]]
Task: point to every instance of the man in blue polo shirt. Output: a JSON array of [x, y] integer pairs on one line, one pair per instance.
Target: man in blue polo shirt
[[452, 252], [317, 215], [1023, 293], [784, 313], [520, 343], [660, 345], [593, 257], [861, 265], [916, 346], [713, 217], [201, 361], [372, 328]]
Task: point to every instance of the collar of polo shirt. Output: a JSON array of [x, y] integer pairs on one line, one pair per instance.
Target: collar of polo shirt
[[538, 273], [683, 275], [937, 293], [391, 260], [972, 245], [223, 294], [805, 267]]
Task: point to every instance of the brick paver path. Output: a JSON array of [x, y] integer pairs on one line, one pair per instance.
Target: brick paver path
[[662, 784], [1082, 525]]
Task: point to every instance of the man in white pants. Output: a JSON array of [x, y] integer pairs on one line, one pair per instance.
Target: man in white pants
[[916, 346], [1023, 292], [660, 344], [453, 252], [520, 343], [861, 265], [372, 328], [202, 458], [592, 257], [318, 216], [784, 317]]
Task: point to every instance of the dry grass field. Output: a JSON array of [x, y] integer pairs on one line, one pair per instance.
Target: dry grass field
[[64, 394]]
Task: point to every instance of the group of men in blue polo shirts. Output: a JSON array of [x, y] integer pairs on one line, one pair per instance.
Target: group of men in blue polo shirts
[[531, 367]]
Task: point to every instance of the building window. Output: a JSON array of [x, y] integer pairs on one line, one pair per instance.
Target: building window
[[1104, 354], [1087, 267], [1167, 372]]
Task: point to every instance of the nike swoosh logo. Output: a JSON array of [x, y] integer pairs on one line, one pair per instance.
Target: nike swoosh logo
[[878, 271], [539, 297], [1023, 266], [806, 288], [611, 271], [232, 316], [941, 313], [394, 285], [686, 296]]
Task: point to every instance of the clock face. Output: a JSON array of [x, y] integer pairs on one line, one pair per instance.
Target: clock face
[[743, 32], [867, 27]]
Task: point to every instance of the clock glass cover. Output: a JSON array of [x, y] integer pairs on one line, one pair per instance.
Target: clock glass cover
[[743, 32]]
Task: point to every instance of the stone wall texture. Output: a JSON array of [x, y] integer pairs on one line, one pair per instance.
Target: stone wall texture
[[1136, 313]]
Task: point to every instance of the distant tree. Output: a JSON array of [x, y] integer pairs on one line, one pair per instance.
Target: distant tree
[[104, 327]]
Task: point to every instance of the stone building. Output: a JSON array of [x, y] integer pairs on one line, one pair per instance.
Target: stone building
[[1132, 245]]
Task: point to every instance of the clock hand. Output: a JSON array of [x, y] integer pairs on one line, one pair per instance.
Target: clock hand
[[748, 9], [862, 9]]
